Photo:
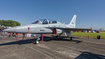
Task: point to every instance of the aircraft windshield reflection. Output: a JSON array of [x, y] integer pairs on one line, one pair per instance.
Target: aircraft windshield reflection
[[45, 21]]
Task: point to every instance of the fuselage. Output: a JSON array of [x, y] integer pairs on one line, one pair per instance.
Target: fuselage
[[38, 28]]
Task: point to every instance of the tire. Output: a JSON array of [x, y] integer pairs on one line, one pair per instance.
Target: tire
[[71, 38], [36, 42], [56, 37]]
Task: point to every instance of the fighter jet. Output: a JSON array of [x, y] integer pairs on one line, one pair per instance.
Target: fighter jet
[[47, 26]]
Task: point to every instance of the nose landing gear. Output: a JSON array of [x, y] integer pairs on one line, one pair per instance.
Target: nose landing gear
[[37, 41], [56, 37]]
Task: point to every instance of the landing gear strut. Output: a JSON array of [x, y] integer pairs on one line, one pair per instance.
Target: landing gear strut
[[71, 38], [56, 37]]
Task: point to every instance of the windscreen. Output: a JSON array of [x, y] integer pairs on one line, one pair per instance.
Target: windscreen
[[45, 21]]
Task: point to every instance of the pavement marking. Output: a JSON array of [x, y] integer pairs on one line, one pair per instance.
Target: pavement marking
[[43, 46], [89, 42], [6, 56], [74, 48], [93, 42], [85, 41], [43, 52], [68, 53], [38, 51]]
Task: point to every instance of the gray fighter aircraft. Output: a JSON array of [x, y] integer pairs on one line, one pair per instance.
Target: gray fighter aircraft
[[47, 26]]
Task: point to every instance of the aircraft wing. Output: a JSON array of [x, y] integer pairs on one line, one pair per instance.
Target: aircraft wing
[[73, 29]]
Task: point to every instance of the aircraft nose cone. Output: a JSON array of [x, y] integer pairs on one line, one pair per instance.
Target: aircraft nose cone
[[10, 30]]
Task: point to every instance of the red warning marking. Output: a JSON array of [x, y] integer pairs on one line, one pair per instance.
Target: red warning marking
[[28, 31], [42, 37], [73, 19], [28, 27], [36, 22]]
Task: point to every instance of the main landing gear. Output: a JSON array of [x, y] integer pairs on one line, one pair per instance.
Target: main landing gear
[[56, 37], [71, 38]]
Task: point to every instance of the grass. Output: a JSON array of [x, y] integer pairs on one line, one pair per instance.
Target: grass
[[92, 35]]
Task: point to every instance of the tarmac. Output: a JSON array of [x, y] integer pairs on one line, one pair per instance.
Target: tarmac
[[51, 48]]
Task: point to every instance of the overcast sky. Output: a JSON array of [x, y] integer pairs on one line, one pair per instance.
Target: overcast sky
[[90, 13]]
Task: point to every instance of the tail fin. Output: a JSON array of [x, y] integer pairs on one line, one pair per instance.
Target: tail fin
[[73, 21]]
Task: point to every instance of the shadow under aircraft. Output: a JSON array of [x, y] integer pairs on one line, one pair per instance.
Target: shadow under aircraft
[[89, 55], [46, 39]]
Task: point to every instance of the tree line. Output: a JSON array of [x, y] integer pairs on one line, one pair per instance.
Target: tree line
[[8, 23]]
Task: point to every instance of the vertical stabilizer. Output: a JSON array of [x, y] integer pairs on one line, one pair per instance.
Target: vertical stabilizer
[[73, 21]]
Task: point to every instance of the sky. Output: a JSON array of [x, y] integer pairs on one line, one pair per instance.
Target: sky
[[90, 13]]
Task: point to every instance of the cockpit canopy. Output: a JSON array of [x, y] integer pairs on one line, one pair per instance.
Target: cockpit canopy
[[45, 21]]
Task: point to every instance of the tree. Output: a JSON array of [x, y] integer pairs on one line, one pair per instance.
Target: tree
[[9, 23]]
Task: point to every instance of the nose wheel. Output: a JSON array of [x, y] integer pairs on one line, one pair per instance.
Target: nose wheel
[[37, 41]]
